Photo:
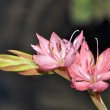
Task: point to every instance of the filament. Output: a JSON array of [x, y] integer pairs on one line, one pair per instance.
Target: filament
[[73, 35], [70, 39], [97, 47]]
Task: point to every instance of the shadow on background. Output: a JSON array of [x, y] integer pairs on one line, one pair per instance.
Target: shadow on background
[[19, 21]]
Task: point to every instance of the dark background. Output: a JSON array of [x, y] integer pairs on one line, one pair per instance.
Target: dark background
[[19, 22]]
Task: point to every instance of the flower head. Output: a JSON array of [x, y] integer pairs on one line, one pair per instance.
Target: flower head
[[56, 52], [88, 75]]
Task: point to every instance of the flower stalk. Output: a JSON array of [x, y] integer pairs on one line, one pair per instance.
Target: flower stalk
[[97, 100], [62, 73]]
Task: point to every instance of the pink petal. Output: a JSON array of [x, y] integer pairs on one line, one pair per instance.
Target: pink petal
[[69, 59], [99, 86], [68, 44], [103, 63], [45, 62], [73, 71], [105, 76], [77, 59], [81, 74], [78, 41], [70, 53], [44, 44], [70, 72], [37, 49], [57, 46], [86, 58], [83, 85]]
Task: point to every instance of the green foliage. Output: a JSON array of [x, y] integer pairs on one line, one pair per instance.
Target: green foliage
[[87, 11]]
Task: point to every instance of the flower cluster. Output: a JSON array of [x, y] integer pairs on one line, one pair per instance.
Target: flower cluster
[[77, 60], [73, 61]]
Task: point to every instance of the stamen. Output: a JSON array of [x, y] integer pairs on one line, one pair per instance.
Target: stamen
[[73, 35], [97, 47], [70, 39]]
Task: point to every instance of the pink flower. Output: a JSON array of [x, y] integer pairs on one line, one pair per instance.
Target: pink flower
[[56, 52], [88, 75]]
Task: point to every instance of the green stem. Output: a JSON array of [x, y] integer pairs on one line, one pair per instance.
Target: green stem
[[97, 100], [63, 73]]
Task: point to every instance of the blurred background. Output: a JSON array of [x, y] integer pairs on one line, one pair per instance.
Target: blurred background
[[20, 20]]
